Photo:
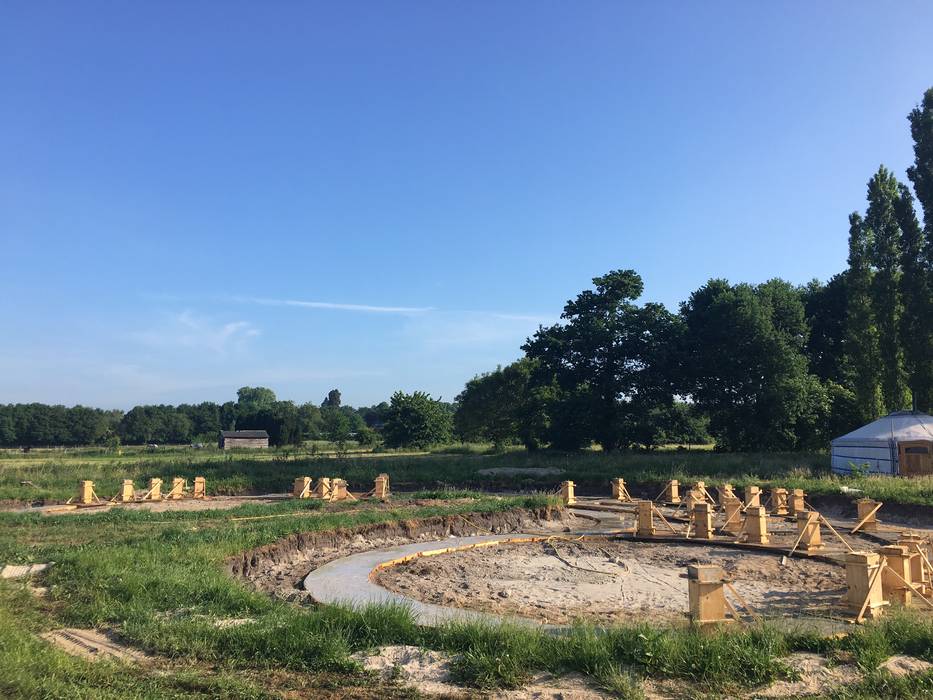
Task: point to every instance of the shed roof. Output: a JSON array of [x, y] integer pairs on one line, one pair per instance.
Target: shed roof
[[245, 434], [900, 425]]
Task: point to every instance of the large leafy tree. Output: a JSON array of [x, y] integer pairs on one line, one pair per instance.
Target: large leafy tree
[[612, 360], [825, 306], [416, 420], [252, 399], [747, 368], [504, 406]]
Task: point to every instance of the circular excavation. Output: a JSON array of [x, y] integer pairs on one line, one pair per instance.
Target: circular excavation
[[606, 581]]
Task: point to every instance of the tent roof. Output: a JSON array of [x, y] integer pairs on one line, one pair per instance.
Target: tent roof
[[900, 425]]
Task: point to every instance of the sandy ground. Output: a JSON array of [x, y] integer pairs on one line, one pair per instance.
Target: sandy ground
[[429, 672], [606, 582], [95, 645]]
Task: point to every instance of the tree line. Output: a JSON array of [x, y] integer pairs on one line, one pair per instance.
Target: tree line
[[759, 367]]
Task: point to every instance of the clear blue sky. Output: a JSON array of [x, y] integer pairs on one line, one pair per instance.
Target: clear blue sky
[[195, 196]]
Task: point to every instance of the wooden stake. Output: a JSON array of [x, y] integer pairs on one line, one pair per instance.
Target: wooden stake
[[871, 584], [865, 519]]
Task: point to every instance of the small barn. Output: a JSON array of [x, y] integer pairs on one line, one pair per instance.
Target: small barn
[[249, 439], [901, 444]]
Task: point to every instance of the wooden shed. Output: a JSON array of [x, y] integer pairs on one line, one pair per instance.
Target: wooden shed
[[249, 439]]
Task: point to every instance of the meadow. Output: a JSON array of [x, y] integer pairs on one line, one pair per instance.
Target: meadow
[[49, 476]]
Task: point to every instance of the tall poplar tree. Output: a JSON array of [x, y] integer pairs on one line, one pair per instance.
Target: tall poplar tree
[[884, 238], [916, 326], [918, 252], [862, 340]]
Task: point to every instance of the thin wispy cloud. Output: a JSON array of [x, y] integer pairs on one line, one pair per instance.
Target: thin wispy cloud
[[188, 330], [336, 306]]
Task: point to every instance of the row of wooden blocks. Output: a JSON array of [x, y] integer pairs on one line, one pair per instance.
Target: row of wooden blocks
[[335, 489], [87, 495], [898, 573]]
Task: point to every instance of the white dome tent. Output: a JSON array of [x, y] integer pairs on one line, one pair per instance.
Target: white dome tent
[[901, 443]]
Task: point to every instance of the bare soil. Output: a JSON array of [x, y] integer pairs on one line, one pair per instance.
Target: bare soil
[[95, 645], [280, 568], [609, 581]]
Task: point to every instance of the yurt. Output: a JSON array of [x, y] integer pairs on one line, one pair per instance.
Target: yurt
[[898, 444]]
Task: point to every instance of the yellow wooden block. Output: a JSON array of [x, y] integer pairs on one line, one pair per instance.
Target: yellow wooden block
[[705, 593], [896, 574], [567, 493], [200, 488], [862, 583], [301, 487], [808, 530], [755, 528]]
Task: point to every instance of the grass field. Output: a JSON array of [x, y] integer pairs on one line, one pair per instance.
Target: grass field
[[159, 579], [51, 476]]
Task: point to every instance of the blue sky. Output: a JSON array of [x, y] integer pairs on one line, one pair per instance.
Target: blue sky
[[195, 196]]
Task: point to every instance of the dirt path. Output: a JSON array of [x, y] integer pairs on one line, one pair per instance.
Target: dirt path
[[607, 582]]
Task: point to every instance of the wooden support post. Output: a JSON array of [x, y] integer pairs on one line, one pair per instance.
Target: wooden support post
[[177, 492], [809, 538], [671, 492], [703, 521], [732, 509], [919, 572], [693, 498], [338, 490], [619, 492], [700, 489], [779, 502], [86, 495], [566, 493], [322, 489], [895, 578], [863, 582], [755, 528], [645, 524], [705, 593], [796, 501], [381, 490], [866, 515], [127, 491], [200, 488], [725, 493], [301, 488], [752, 496], [155, 490]]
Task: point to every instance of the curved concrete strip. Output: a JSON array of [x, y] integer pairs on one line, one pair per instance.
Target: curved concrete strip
[[348, 580]]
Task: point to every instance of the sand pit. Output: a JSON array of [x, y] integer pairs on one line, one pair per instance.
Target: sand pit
[[609, 581]]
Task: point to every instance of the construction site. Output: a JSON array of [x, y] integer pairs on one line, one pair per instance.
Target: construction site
[[696, 558]]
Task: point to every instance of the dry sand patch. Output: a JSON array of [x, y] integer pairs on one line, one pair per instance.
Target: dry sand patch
[[608, 581]]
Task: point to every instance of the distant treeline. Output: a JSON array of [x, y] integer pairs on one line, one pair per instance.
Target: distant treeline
[[769, 366], [256, 408]]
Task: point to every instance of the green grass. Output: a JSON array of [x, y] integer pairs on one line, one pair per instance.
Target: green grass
[[159, 578], [54, 479]]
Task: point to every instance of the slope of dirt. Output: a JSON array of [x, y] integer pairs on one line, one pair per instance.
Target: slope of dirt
[[280, 567], [608, 581]]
